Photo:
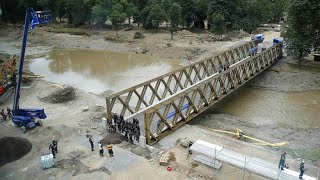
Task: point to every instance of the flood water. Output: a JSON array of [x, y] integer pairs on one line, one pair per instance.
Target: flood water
[[100, 71], [282, 108]]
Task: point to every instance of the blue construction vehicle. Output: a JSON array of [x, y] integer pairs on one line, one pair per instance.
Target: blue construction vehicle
[[27, 118], [277, 40], [258, 38]]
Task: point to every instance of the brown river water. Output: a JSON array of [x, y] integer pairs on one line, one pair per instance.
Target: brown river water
[[100, 71], [283, 108]]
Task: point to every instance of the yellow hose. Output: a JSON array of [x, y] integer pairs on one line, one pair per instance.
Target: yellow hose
[[260, 142]]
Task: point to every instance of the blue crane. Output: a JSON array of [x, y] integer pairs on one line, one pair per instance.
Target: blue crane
[[26, 118]]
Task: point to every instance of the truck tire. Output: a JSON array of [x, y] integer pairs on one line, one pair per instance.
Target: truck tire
[[39, 122], [24, 130]]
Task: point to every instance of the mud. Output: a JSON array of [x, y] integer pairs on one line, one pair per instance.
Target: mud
[[13, 148], [113, 138]]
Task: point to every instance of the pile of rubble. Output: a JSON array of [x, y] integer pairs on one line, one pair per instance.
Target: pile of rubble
[[61, 95]]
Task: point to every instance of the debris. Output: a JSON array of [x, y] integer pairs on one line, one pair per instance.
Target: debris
[[164, 159], [144, 50], [172, 156], [138, 35], [184, 142], [193, 165], [169, 44], [186, 33], [61, 86], [84, 109], [128, 28], [141, 51], [61, 95]]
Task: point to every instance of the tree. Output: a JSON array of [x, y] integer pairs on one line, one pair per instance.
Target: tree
[[175, 17], [166, 5], [79, 11], [276, 9], [201, 13], [144, 15], [302, 33], [251, 15], [217, 22], [156, 16], [188, 11], [129, 9], [118, 16], [57, 7], [101, 11], [140, 5]]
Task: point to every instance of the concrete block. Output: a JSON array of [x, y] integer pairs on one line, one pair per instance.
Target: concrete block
[[142, 141]]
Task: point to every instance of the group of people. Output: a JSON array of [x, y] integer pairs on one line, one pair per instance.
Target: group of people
[[282, 164], [54, 147], [4, 115], [131, 130], [101, 150]]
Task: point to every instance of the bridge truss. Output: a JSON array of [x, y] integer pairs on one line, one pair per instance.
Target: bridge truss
[[165, 103]]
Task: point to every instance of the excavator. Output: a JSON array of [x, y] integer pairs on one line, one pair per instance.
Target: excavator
[[28, 118]]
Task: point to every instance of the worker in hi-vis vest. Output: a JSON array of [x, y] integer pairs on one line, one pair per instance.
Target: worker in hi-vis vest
[[109, 147]]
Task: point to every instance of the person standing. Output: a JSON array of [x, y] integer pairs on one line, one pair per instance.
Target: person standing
[[91, 143], [109, 147], [282, 160], [4, 116], [100, 149], [9, 113], [52, 150], [302, 170], [55, 145]]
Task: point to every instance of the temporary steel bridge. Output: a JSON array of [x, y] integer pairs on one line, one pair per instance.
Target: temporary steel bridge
[[165, 103]]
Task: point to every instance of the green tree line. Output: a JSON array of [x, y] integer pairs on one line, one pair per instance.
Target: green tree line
[[222, 15]]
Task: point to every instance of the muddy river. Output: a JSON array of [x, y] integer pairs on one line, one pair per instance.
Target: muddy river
[[100, 71], [282, 108]]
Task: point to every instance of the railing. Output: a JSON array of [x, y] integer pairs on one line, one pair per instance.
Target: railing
[[141, 96]]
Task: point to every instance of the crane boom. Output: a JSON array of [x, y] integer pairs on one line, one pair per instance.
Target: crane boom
[[31, 20]]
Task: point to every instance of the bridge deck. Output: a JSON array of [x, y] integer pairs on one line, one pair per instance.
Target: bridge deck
[[251, 164]]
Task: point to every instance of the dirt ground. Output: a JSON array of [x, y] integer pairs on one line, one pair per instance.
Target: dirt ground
[[68, 122]]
